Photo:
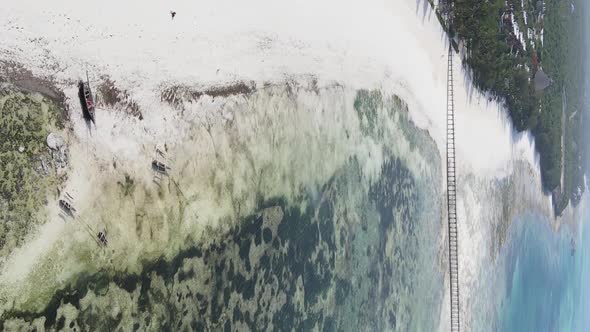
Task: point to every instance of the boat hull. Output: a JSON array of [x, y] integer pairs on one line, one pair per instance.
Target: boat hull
[[86, 101]]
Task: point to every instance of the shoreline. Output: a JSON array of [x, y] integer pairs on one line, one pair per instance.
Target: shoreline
[[24, 80], [484, 125], [561, 158]]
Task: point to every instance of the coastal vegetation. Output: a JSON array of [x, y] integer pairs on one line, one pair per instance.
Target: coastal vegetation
[[564, 61], [529, 54]]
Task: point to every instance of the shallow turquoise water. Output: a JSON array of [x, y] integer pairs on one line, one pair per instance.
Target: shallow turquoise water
[[546, 285]]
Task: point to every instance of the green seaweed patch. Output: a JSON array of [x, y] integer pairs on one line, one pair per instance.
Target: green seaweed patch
[[282, 267], [367, 105], [26, 176], [344, 255]]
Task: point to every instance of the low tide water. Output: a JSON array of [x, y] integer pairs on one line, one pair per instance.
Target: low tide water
[[546, 277]]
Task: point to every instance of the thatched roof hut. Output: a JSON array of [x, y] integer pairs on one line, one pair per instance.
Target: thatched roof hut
[[542, 81]]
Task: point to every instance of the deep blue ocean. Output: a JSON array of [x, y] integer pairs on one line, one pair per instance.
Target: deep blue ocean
[[547, 278]]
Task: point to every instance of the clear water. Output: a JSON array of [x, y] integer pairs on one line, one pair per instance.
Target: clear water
[[357, 250], [545, 283]]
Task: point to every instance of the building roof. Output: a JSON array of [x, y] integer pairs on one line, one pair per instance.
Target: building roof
[[542, 81]]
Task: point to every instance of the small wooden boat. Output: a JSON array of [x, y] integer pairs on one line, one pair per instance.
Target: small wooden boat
[[86, 99], [67, 207], [102, 237], [160, 167]]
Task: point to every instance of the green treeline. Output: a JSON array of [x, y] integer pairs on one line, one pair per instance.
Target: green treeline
[[504, 64]]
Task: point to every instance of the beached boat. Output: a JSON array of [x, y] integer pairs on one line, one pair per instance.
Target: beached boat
[[102, 238], [86, 99], [66, 207], [160, 167]]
